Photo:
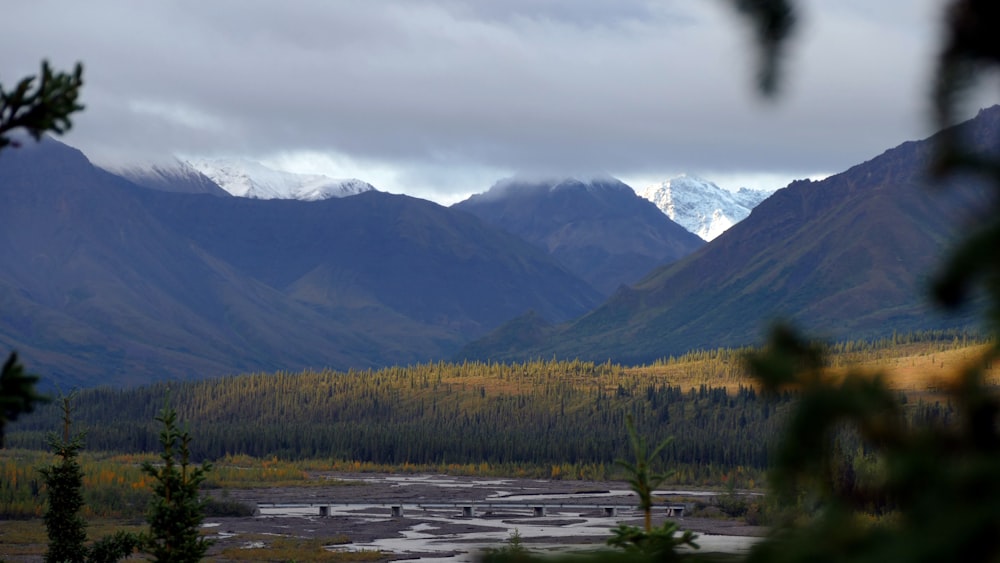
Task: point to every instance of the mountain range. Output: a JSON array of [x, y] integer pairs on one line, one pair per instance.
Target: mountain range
[[698, 205], [159, 273], [702, 207], [846, 257], [237, 177], [107, 282]]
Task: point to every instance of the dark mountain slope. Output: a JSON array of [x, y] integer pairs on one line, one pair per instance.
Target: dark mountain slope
[[415, 257], [105, 282], [845, 257], [600, 229], [96, 290]]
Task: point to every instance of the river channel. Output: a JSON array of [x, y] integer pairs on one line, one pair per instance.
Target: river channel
[[438, 518]]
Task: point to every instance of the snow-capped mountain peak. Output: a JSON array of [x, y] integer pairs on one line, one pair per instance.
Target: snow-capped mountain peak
[[247, 178], [702, 207], [172, 175]]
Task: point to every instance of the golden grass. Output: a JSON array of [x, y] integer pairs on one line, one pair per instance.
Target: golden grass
[[492, 384], [924, 371], [696, 373], [907, 368], [914, 367]]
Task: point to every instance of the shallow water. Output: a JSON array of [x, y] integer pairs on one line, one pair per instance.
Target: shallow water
[[422, 539], [582, 529]]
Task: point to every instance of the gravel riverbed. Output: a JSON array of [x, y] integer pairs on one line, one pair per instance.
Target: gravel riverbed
[[361, 511]]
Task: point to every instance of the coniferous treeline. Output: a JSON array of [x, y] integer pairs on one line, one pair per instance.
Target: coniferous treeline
[[541, 412], [537, 412]]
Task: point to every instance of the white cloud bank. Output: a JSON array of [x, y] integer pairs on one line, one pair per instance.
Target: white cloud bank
[[439, 98]]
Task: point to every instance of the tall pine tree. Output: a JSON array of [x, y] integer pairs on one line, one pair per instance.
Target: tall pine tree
[[177, 510], [67, 530]]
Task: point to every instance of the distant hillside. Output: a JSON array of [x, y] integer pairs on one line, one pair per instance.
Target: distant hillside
[[702, 207], [107, 283], [598, 228], [845, 257]]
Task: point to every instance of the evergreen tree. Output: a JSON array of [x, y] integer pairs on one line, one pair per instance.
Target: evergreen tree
[[659, 544], [176, 511], [65, 527], [64, 480], [642, 479]]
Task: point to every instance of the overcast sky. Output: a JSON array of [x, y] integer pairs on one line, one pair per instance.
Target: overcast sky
[[441, 98]]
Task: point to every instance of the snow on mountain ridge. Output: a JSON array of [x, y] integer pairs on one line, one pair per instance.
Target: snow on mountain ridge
[[751, 198], [158, 169], [172, 175], [702, 207], [246, 178]]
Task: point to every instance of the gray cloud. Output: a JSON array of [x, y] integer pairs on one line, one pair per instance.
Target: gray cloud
[[432, 95]]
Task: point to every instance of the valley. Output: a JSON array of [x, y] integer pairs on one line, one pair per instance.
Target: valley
[[711, 386], [224, 344], [109, 281], [538, 419]]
